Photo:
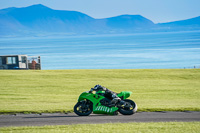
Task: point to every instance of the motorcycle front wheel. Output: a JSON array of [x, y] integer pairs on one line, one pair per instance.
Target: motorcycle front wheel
[[83, 108], [129, 109]]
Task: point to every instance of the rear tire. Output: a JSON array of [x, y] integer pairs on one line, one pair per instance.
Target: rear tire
[[83, 108], [129, 110]]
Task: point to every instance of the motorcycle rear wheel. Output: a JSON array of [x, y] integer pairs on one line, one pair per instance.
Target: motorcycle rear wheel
[[83, 108], [131, 109]]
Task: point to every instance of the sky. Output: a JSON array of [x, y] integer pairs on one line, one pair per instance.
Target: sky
[[158, 11]]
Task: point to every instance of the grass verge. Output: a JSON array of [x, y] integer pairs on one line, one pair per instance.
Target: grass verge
[[159, 127], [50, 91]]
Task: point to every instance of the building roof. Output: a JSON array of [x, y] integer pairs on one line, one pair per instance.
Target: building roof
[[11, 55]]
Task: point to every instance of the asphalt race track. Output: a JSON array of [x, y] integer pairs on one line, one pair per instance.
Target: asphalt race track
[[71, 118]]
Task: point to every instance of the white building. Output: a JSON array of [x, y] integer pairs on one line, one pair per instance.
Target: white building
[[20, 62]]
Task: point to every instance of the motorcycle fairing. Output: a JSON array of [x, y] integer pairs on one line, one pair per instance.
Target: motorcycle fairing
[[97, 107], [124, 94]]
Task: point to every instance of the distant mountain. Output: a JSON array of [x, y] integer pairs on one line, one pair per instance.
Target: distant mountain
[[129, 22], [193, 23], [39, 19]]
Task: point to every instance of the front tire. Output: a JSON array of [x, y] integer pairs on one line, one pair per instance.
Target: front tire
[[83, 108], [129, 109]]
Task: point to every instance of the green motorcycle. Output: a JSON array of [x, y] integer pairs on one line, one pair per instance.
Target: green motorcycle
[[98, 104]]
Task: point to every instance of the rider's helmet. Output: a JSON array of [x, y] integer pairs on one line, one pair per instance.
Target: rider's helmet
[[99, 88]]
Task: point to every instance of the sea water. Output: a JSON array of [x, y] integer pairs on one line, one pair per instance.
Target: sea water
[[125, 51]]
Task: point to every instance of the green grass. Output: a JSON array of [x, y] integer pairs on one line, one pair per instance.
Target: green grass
[[160, 127], [29, 91]]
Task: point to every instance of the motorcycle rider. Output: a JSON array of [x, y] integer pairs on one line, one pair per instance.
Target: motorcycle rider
[[107, 93]]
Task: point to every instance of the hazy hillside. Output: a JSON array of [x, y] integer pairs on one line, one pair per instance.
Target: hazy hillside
[[39, 19], [193, 23], [129, 22]]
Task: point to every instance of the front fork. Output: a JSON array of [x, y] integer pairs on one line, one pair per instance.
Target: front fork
[[123, 104]]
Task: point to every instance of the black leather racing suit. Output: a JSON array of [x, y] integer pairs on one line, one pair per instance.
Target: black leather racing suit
[[108, 93]]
